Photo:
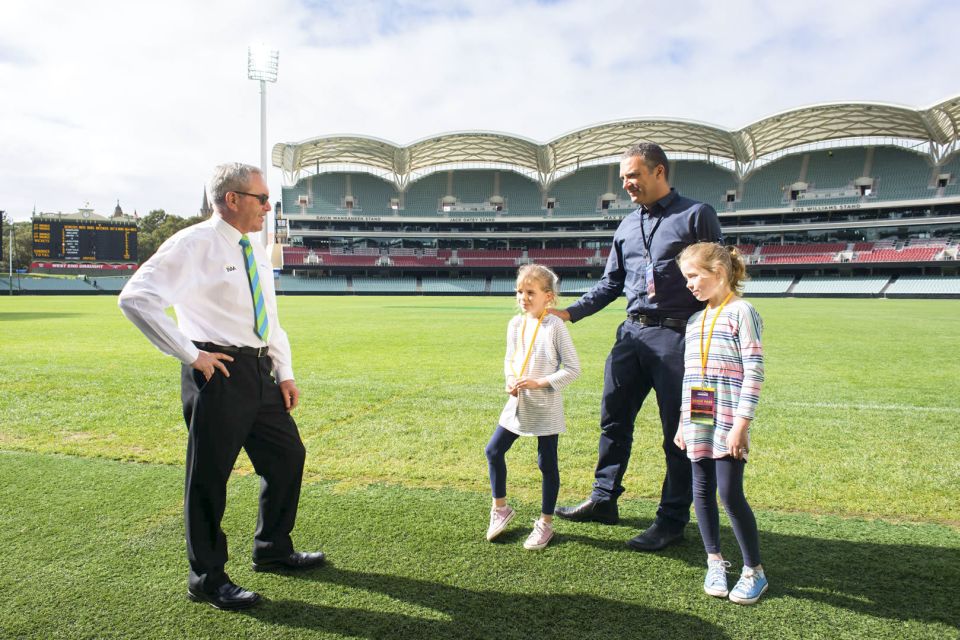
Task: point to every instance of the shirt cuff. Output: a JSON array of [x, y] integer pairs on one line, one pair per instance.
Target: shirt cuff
[[576, 313], [196, 354], [283, 374]]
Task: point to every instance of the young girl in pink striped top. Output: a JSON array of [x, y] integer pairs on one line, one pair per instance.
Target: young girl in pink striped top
[[723, 372]]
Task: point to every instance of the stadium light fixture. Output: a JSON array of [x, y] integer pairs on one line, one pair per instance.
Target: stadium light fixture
[[262, 64]]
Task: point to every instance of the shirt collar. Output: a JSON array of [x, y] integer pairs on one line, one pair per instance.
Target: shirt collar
[[224, 228], [660, 205]]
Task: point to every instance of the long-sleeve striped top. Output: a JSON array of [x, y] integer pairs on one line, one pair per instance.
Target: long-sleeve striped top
[[538, 412], [734, 369]]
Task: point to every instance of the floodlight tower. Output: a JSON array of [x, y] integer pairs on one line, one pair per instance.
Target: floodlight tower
[[262, 63]]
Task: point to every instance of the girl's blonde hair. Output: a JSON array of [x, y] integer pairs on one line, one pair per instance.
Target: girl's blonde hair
[[715, 258], [543, 276]]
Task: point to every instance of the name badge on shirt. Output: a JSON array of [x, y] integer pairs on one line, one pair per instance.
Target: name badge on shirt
[[648, 279], [703, 405]]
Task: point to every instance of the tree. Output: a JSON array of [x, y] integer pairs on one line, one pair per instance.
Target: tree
[[150, 222], [155, 228], [22, 244]]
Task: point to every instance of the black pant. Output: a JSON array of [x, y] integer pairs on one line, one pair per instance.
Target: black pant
[[643, 358], [496, 451], [224, 415], [725, 474]]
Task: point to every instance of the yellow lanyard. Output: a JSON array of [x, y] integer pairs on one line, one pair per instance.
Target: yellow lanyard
[[704, 354], [523, 330]]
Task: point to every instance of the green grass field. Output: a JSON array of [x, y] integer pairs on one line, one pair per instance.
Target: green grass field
[[854, 475]]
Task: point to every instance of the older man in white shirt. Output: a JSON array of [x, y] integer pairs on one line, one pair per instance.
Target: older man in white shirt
[[237, 382]]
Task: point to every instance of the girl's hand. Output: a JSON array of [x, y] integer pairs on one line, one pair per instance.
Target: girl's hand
[[531, 383], [737, 440], [678, 439]]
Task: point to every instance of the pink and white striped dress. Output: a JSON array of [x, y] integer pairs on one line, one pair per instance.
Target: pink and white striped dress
[[734, 369]]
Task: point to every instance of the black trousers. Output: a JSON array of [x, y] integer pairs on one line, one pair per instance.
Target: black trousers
[[643, 359], [224, 415]]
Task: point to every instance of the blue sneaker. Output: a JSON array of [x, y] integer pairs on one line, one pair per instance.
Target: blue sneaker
[[715, 584], [749, 587]]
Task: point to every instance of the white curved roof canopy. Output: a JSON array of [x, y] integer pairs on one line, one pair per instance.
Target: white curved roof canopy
[[936, 128]]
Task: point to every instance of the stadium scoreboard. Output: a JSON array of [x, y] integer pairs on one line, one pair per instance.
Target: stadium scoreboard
[[84, 240]]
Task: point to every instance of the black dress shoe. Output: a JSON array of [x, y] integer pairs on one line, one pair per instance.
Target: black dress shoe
[[296, 561], [655, 538], [605, 512], [227, 596]]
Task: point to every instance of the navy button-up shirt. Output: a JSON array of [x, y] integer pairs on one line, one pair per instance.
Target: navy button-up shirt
[[682, 222]]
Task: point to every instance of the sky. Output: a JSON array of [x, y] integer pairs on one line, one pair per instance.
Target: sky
[[130, 101]]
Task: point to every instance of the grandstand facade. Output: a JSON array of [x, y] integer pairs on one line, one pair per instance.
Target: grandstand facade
[[864, 191], [846, 199]]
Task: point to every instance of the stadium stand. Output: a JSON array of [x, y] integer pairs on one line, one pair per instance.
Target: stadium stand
[[372, 195], [854, 286], [502, 285], [521, 194], [811, 253], [932, 286], [474, 187], [364, 284], [576, 286], [55, 285], [423, 196], [821, 258], [703, 181], [474, 286], [907, 254], [416, 261], [769, 186], [347, 259], [802, 249], [579, 193], [900, 175], [112, 284], [952, 167], [767, 286], [329, 284], [834, 169], [815, 201]]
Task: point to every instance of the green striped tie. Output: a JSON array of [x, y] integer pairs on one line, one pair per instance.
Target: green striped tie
[[261, 324]]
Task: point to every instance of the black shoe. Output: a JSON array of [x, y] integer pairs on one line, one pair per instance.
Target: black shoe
[[227, 596], [605, 512], [296, 561], [655, 538]]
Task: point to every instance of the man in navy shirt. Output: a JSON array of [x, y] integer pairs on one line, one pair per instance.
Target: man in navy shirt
[[648, 352]]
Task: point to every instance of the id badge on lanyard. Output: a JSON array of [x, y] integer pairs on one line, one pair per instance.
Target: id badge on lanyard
[[648, 280], [703, 399], [703, 405]]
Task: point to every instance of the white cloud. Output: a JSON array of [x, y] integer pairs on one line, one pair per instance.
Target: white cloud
[[135, 101]]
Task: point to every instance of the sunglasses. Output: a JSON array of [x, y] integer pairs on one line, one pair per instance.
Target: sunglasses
[[262, 197]]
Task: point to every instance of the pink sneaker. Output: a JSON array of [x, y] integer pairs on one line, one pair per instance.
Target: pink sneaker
[[541, 535], [500, 517]]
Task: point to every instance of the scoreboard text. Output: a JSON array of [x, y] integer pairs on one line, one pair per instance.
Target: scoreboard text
[[90, 241]]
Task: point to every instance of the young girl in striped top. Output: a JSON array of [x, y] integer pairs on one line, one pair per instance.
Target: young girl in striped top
[[540, 361], [723, 372]]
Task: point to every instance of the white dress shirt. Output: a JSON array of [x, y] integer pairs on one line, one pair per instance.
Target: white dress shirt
[[538, 412], [202, 273]]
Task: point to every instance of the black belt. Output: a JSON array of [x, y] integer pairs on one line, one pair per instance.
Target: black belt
[[652, 321], [256, 352]]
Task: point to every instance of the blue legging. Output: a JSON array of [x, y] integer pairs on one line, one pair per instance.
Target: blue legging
[[727, 475], [496, 450]]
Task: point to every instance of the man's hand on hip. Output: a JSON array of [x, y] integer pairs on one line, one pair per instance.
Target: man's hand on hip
[[207, 363]]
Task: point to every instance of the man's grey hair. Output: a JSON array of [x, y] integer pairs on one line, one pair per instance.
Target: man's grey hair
[[232, 176], [652, 155]]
